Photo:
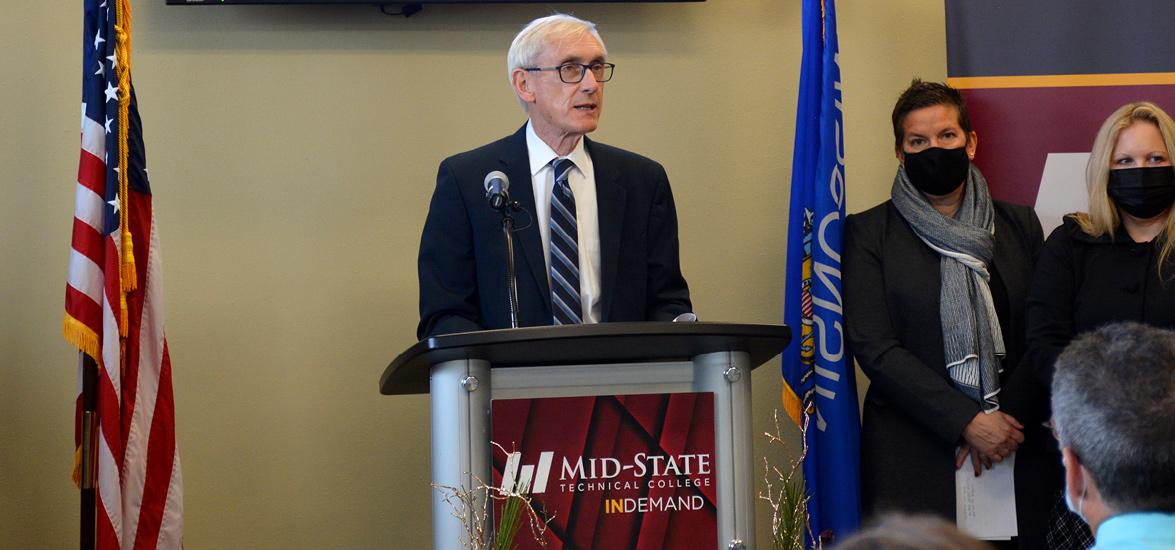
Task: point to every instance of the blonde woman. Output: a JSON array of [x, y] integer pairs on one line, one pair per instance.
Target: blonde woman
[[1114, 263]]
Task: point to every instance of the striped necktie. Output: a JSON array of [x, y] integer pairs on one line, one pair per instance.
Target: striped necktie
[[565, 302]]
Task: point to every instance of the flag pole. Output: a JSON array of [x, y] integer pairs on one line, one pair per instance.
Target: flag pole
[[89, 438]]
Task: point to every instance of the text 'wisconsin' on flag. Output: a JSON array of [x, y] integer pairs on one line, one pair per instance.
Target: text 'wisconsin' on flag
[[818, 375], [114, 306]]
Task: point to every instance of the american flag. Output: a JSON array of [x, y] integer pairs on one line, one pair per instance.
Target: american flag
[[114, 301]]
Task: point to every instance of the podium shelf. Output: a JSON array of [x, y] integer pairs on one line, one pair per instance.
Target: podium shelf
[[581, 344]]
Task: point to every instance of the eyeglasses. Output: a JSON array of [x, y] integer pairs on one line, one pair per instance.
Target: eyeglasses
[[572, 73]]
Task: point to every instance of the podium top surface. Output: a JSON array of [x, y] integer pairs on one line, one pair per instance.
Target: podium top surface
[[581, 344]]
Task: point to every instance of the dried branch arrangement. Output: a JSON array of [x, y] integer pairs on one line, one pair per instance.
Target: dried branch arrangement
[[785, 494]]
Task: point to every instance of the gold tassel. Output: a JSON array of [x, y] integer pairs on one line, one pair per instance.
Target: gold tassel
[[122, 31]]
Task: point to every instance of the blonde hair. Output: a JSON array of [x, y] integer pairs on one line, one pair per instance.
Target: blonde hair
[[1103, 218]]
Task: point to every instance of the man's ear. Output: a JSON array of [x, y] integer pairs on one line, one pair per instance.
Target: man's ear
[[520, 79], [1075, 481]]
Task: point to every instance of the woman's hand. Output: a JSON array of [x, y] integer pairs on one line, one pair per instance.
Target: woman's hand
[[961, 458], [990, 437]]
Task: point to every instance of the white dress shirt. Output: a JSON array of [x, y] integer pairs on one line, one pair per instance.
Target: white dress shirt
[[583, 184]]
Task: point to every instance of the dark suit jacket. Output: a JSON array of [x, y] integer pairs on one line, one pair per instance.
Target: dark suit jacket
[[913, 414], [462, 264]]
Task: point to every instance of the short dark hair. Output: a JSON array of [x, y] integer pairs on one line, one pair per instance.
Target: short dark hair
[[1114, 407], [922, 94]]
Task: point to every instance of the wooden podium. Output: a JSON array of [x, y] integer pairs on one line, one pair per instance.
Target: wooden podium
[[464, 372]]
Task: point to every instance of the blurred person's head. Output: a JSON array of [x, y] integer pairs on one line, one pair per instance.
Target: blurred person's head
[[1113, 399], [899, 532]]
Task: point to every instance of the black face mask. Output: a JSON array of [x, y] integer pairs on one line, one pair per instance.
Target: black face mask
[[937, 171], [1142, 192]]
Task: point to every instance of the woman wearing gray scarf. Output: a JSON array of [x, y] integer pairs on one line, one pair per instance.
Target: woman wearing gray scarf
[[935, 281]]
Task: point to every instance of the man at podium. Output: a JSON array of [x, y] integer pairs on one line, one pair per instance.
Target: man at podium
[[595, 226]]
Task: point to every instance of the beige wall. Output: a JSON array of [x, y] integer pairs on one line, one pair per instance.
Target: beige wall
[[293, 150]]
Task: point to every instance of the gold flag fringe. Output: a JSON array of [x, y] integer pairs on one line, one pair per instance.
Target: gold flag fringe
[[792, 405], [77, 467], [80, 335]]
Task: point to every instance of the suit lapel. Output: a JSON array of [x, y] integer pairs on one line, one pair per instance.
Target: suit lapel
[[516, 164], [610, 200]]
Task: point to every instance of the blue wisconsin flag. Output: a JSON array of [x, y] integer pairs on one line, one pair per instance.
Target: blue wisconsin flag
[[817, 369]]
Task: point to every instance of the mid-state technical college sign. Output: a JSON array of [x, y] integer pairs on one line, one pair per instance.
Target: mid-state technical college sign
[[628, 471]]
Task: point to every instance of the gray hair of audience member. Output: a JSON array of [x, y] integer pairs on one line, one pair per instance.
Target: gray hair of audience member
[[900, 532], [543, 33], [1114, 407]]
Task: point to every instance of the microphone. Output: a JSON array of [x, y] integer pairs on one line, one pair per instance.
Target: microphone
[[497, 185]]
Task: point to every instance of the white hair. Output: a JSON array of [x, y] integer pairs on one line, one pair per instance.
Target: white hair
[[543, 33]]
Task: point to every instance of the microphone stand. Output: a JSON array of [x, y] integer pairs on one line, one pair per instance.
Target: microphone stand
[[511, 277]]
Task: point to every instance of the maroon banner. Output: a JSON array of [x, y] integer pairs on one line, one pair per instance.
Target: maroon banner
[[626, 471], [1040, 77], [1019, 127]]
